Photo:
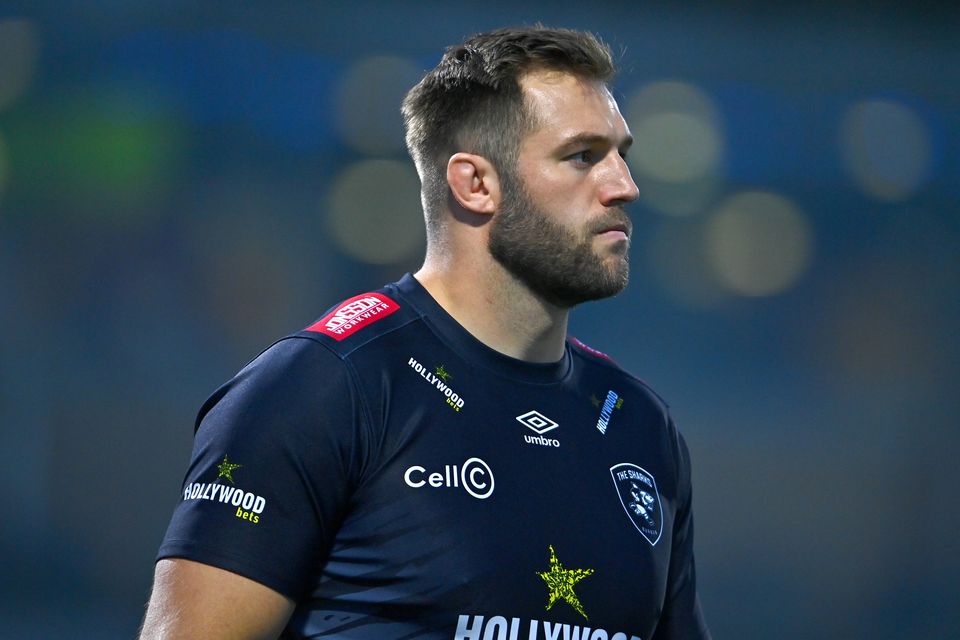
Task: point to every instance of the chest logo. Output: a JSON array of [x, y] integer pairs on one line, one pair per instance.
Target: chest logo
[[474, 476], [561, 581], [537, 422], [612, 401], [439, 379], [641, 501]]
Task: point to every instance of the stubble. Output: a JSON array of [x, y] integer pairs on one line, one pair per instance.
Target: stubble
[[555, 263]]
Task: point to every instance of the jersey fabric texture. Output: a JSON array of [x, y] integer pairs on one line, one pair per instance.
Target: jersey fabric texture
[[399, 479]]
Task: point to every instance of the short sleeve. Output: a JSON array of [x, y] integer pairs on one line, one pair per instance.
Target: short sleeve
[[276, 454], [682, 618]]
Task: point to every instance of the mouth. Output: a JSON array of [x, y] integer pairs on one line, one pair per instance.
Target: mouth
[[615, 229]]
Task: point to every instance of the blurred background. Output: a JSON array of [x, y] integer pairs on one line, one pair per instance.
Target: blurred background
[[181, 183]]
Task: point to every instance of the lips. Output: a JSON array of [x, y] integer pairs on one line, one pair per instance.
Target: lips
[[617, 224], [617, 227]]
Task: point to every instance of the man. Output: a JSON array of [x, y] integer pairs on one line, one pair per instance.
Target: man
[[435, 459]]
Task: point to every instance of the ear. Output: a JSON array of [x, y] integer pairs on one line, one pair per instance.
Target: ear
[[474, 183]]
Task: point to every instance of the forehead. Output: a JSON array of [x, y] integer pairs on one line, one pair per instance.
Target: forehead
[[565, 105]]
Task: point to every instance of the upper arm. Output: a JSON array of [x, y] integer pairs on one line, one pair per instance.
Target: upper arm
[[682, 617], [194, 600], [274, 460], [275, 456]]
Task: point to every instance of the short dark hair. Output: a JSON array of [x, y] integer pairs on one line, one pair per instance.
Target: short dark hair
[[472, 100]]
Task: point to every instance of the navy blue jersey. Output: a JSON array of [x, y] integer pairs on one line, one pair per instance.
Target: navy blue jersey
[[399, 479]]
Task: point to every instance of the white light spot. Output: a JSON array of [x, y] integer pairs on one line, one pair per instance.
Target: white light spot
[[758, 243], [4, 166], [679, 143], [19, 48], [374, 211], [886, 148], [677, 199], [368, 104], [676, 147]]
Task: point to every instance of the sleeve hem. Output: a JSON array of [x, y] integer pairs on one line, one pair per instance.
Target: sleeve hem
[[242, 566]]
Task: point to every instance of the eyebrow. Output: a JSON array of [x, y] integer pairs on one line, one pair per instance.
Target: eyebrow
[[593, 139]]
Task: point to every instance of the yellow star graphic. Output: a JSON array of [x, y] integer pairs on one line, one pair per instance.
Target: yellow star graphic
[[226, 469], [443, 373], [560, 582]]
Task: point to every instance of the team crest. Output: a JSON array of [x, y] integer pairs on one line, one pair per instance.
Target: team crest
[[638, 495]]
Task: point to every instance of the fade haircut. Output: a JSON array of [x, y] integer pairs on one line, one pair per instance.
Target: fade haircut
[[472, 100]]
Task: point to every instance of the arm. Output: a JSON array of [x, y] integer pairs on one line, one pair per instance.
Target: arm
[[272, 468], [682, 618], [193, 600]]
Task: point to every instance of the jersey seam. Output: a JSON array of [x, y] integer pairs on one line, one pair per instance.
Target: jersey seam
[[355, 385], [343, 355], [367, 419]]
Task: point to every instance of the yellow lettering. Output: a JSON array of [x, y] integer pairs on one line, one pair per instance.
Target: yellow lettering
[[249, 516]]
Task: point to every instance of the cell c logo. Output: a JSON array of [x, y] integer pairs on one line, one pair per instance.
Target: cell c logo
[[474, 476], [477, 478]]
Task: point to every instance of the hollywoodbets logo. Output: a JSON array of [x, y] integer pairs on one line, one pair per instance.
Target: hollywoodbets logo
[[503, 628], [439, 380], [560, 583], [612, 401], [249, 505]]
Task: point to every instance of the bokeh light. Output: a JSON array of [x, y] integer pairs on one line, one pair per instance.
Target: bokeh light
[[759, 243], [169, 200], [368, 104], [680, 199], [112, 156], [19, 49], [4, 166], [678, 149], [374, 211], [680, 264], [886, 148], [876, 338]]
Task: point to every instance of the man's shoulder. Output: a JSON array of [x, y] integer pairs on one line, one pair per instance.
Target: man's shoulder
[[595, 358], [360, 320], [316, 357]]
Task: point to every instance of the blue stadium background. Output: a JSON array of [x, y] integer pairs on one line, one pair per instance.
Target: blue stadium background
[[182, 182]]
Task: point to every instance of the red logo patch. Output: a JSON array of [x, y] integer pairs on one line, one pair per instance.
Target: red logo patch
[[354, 314]]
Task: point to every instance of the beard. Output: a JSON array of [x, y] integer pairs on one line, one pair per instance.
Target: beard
[[555, 263]]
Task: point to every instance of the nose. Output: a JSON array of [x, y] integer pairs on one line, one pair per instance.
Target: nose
[[619, 187]]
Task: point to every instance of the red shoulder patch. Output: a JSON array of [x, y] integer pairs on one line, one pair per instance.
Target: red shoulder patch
[[354, 314]]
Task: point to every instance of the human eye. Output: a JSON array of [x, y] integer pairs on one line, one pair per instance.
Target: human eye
[[585, 157]]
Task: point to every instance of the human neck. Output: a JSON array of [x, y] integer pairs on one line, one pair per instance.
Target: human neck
[[497, 309]]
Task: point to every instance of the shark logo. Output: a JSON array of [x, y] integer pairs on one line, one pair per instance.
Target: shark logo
[[639, 497]]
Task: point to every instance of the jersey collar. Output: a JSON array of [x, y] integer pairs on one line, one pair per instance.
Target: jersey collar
[[474, 351]]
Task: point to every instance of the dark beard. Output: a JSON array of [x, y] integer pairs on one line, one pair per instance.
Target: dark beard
[[552, 261]]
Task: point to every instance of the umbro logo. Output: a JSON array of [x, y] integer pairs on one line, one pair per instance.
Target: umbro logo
[[537, 422], [540, 424]]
